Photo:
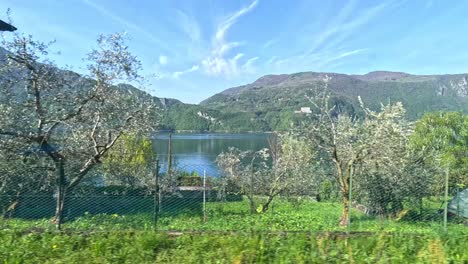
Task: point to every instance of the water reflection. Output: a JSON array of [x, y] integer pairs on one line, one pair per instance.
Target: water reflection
[[198, 152]]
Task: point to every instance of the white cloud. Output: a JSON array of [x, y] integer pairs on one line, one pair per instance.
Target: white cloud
[[342, 55], [249, 65], [177, 74], [217, 63], [224, 26], [163, 60]]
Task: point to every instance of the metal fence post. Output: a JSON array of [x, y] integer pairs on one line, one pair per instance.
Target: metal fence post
[[351, 172], [446, 198], [458, 200], [204, 196], [60, 195], [156, 196]]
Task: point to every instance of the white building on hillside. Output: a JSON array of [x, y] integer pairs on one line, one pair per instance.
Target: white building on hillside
[[304, 110]]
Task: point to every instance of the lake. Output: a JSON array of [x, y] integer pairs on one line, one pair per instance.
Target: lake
[[198, 152]]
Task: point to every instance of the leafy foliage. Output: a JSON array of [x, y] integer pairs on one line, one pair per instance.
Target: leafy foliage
[[130, 163], [441, 138]]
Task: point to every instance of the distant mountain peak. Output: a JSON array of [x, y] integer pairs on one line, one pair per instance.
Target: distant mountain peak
[[276, 79], [270, 79], [382, 76]]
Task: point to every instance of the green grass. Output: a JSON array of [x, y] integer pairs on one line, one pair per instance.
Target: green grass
[[151, 247], [288, 233], [234, 216]]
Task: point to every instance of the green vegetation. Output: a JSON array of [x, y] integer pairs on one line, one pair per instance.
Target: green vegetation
[[187, 117], [284, 215], [289, 233], [149, 247], [80, 160], [441, 138], [272, 102], [129, 163]]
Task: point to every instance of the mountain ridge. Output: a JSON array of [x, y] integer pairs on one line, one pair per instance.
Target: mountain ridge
[[373, 76], [273, 99], [270, 103]]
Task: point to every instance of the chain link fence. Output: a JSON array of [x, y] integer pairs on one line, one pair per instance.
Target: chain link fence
[[190, 199]]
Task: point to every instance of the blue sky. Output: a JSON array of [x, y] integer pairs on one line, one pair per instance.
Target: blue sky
[[191, 50]]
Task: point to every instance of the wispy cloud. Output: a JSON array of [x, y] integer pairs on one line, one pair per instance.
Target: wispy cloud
[[189, 25], [270, 43], [217, 63], [352, 27], [343, 26], [340, 56], [315, 62], [224, 26], [126, 23], [177, 74], [248, 66], [334, 26]]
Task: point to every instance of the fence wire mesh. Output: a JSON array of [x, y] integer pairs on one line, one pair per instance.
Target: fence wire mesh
[[188, 198]]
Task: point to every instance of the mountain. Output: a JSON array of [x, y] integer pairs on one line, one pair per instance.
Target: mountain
[[270, 102], [76, 84], [272, 99]]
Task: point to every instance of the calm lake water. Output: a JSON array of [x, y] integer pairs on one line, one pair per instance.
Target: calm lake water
[[198, 152]]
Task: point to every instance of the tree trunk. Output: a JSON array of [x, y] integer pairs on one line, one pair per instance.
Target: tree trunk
[[10, 210], [420, 202], [251, 190], [343, 180], [251, 204], [346, 203], [267, 204], [60, 200]]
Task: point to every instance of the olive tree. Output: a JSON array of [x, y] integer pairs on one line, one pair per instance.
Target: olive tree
[[348, 141], [72, 120], [21, 173], [286, 168], [389, 173]]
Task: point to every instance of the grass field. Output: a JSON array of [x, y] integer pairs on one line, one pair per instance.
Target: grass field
[[287, 233], [308, 216], [151, 247]]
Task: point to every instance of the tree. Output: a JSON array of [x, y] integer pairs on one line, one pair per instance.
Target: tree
[[286, 168], [21, 173], [130, 163], [72, 120], [295, 170], [348, 141], [245, 169], [441, 139], [389, 173]]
